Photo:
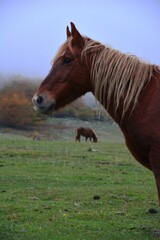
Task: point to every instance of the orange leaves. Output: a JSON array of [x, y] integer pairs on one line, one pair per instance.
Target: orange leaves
[[16, 106]]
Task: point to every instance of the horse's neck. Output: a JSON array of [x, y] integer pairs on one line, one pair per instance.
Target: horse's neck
[[116, 85], [117, 115]]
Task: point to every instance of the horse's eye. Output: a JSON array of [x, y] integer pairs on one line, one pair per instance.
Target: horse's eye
[[67, 60]]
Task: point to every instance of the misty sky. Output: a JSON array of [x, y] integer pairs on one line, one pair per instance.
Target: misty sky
[[32, 30]]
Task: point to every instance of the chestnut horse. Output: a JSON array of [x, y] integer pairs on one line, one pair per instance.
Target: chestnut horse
[[127, 87], [85, 132]]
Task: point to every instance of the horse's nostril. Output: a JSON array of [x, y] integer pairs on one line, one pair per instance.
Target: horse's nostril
[[39, 100]]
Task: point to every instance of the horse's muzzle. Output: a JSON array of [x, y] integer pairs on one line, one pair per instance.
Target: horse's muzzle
[[42, 104]]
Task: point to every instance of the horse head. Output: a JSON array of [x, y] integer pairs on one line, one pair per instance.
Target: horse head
[[68, 78]]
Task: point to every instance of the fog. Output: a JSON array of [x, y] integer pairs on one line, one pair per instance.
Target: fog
[[32, 31]]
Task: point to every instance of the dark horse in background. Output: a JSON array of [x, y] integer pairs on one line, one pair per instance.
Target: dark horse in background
[[85, 132], [128, 88]]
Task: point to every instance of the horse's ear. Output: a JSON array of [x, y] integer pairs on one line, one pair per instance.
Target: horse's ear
[[68, 32], [78, 40]]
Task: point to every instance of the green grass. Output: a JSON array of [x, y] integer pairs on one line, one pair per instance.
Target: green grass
[[47, 192]]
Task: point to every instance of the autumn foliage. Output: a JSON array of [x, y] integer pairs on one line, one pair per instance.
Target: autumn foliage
[[16, 109]]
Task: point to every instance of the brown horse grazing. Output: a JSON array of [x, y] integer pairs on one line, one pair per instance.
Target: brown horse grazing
[[85, 132], [127, 87]]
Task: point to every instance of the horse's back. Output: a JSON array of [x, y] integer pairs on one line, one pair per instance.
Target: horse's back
[[85, 132]]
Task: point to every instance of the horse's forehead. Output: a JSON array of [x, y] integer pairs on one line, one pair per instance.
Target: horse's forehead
[[64, 48]]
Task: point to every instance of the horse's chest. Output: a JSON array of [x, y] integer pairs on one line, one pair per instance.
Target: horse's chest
[[137, 142]]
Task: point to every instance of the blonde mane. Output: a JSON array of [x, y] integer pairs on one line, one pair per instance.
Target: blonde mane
[[116, 75]]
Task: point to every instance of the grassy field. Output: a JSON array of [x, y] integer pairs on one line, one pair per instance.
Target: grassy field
[[61, 190]]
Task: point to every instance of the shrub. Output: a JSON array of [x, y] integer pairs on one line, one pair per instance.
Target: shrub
[[16, 109]]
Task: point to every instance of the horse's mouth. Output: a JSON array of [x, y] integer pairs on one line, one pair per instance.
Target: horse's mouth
[[43, 110]]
